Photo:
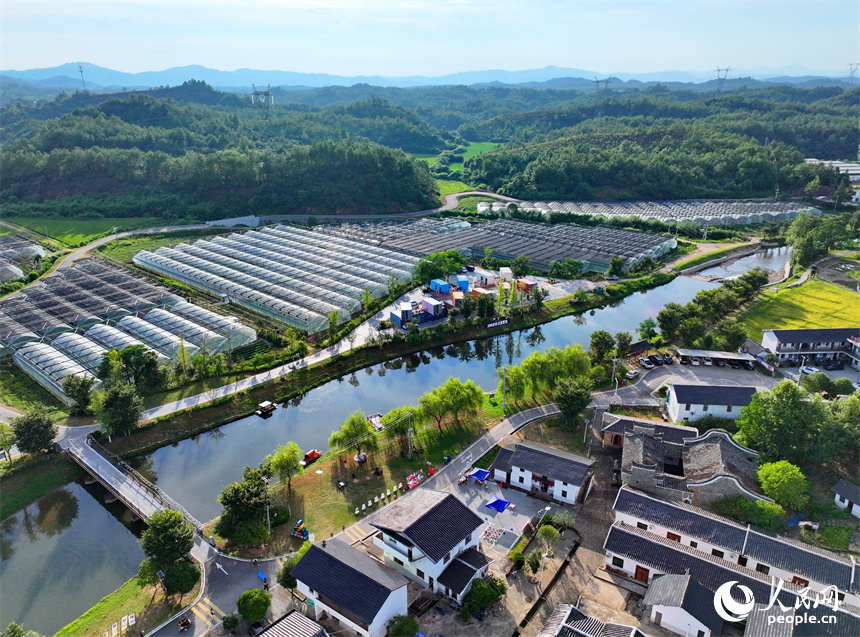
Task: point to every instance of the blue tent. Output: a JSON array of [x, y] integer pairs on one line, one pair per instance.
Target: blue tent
[[479, 474], [497, 504]]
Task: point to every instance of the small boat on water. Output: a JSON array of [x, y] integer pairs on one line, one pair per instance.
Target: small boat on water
[[265, 408], [375, 421], [310, 457]]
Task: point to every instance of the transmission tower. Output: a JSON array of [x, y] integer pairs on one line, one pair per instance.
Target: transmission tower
[[852, 71], [81, 71], [600, 87], [722, 74], [769, 147], [265, 99]]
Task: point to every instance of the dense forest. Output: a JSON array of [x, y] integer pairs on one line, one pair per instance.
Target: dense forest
[[194, 152]]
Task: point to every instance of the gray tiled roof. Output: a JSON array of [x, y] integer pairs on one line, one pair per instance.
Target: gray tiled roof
[[681, 591], [555, 621], [816, 335], [294, 624], [670, 432], [713, 395], [803, 622], [552, 463], [463, 569], [716, 454], [348, 577], [817, 564], [578, 624], [433, 521], [502, 461], [847, 490]]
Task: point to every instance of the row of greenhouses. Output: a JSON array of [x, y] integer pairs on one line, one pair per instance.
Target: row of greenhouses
[[68, 322], [293, 275]]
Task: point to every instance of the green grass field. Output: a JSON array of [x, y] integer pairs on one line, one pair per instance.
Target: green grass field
[[74, 231], [447, 186], [475, 148], [814, 304], [125, 249]]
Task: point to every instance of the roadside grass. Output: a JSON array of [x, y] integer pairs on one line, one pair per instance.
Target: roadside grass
[[74, 231], [554, 432], [448, 186], [470, 204], [704, 258], [37, 478], [816, 303], [148, 603], [126, 248]]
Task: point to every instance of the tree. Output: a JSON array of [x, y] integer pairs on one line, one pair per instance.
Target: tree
[[691, 330], [539, 295], [438, 266], [168, 538], [333, 318], [245, 500], [485, 306], [563, 520], [602, 343], [534, 561], [79, 388], [485, 593], [180, 578], [140, 366], [811, 189], [403, 626], [111, 369], [572, 396], [785, 483], [548, 535], [782, 424], [669, 320], [512, 383], [285, 462], [7, 439], [536, 370], [841, 386], [253, 604], [356, 433], [366, 298], [119, 408], [732, 334], [34, 430], [647, 329], [622, 344], [434, 405], [284, 575], [816, 383], [520, 266], [461, 397], [14, 630], [616, 266]]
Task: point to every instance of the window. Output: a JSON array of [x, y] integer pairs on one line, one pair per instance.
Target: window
[[447, 558], [693, 544], [799, 581], [617, 561], [310, 590], [704, 408], [728, 409], [419, 573], [521, 479], [674, 537], [717, 553], [687, 408], [398, 561], [742, 561], [841, 499], [642, 525], [764, 569], [564, 494], [700, 633]]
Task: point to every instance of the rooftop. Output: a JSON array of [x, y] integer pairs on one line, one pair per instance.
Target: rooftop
[[815, 335], [847, 490], [462, 569], [670, 432], [294, 624], [712, 394], [545, 461], [682, 591]]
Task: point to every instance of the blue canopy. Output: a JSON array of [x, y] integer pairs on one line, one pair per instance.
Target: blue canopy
[[497, 504], [479, 474]]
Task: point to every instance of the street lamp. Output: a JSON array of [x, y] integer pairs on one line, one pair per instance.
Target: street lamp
[[268, 520]]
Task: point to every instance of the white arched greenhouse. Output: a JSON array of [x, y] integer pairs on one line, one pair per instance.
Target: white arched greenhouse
[[48, 367]]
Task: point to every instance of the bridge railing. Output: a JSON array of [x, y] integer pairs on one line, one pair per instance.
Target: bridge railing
[[126, 468]]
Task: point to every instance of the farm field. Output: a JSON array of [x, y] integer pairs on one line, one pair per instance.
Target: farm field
[[475, 148], [447, 186], [814, 304], [75, 231]]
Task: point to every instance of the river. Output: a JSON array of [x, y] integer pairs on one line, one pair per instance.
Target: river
[[194, 471], [772, 259]]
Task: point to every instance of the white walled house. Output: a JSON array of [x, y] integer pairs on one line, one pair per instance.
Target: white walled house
[[738, 545], [680, 604], [432, 538], [691, 402], [816, 345], [847, 496], [539, 469], [351, 587]]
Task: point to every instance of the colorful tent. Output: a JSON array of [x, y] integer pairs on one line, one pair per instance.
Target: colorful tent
[[479, 474], [497, 504]]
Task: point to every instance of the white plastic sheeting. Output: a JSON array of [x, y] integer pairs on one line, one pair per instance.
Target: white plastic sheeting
[[112, 338], [208, 341], [156, 337], [48, 366], [229, 326], [86, 352]]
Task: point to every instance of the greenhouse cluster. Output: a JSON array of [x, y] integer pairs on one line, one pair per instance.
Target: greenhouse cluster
[[66, 323], [15, 250], [699, 212], [508, 239], [289, 274], [380, 232]]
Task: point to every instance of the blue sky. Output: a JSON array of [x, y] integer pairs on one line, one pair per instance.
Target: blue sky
[[393, 38]]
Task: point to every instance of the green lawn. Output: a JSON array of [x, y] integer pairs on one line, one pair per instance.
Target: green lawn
[[447, 186], [74, 231], [814, 304], [125, 249], [470, 204], [475, 148]]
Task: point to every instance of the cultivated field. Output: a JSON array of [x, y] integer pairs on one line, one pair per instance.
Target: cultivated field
[[74, 231]]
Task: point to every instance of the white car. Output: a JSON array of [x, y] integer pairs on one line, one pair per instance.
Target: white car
[[633, 373], [809, 369], [646, 363], [695, 361], [708, 360]]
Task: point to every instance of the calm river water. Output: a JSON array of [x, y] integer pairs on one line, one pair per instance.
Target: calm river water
[[53, 573], [773, 259]]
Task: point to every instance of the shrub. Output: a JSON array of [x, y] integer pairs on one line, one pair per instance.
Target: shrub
[[839, 537], [402, 626], [249, 533], [253, 604], [519, 560], [768, 515], [785, 483], [485, 593], [230, 622]]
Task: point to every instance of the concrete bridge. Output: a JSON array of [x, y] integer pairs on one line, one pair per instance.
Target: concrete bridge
[[136, 492]]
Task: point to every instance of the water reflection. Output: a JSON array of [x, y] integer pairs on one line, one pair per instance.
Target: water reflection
[[772, 259]]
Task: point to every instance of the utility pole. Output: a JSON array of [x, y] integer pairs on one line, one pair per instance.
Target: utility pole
[[268, 520], [504, 389]]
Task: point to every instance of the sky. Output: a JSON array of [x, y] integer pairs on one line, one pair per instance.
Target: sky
[[431, 38]]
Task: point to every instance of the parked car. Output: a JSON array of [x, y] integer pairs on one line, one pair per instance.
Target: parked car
[[462, 270], [684, 360], [646, 363], [719, 362], [748, 365], [470, 268], [612, 277], [834, 366], [809, 369], [414, 303], [735, 364], [695, 361], [655, 359], [708, 360], [633, 373], [256, 628]]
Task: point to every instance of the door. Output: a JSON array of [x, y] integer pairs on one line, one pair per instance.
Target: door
[[850, 506], [430, 583], [658, 618], [641, 574]]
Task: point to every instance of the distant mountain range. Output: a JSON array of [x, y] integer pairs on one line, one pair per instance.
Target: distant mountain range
[[67, 76]]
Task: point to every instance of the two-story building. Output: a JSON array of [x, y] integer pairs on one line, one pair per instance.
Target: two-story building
[[691, 402], [847, 496], [816, 345], [359, 592], [432, 538], [745, 546], [529, 466]]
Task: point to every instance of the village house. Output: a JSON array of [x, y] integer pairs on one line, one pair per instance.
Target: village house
[[691, 402], [847, 497]]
